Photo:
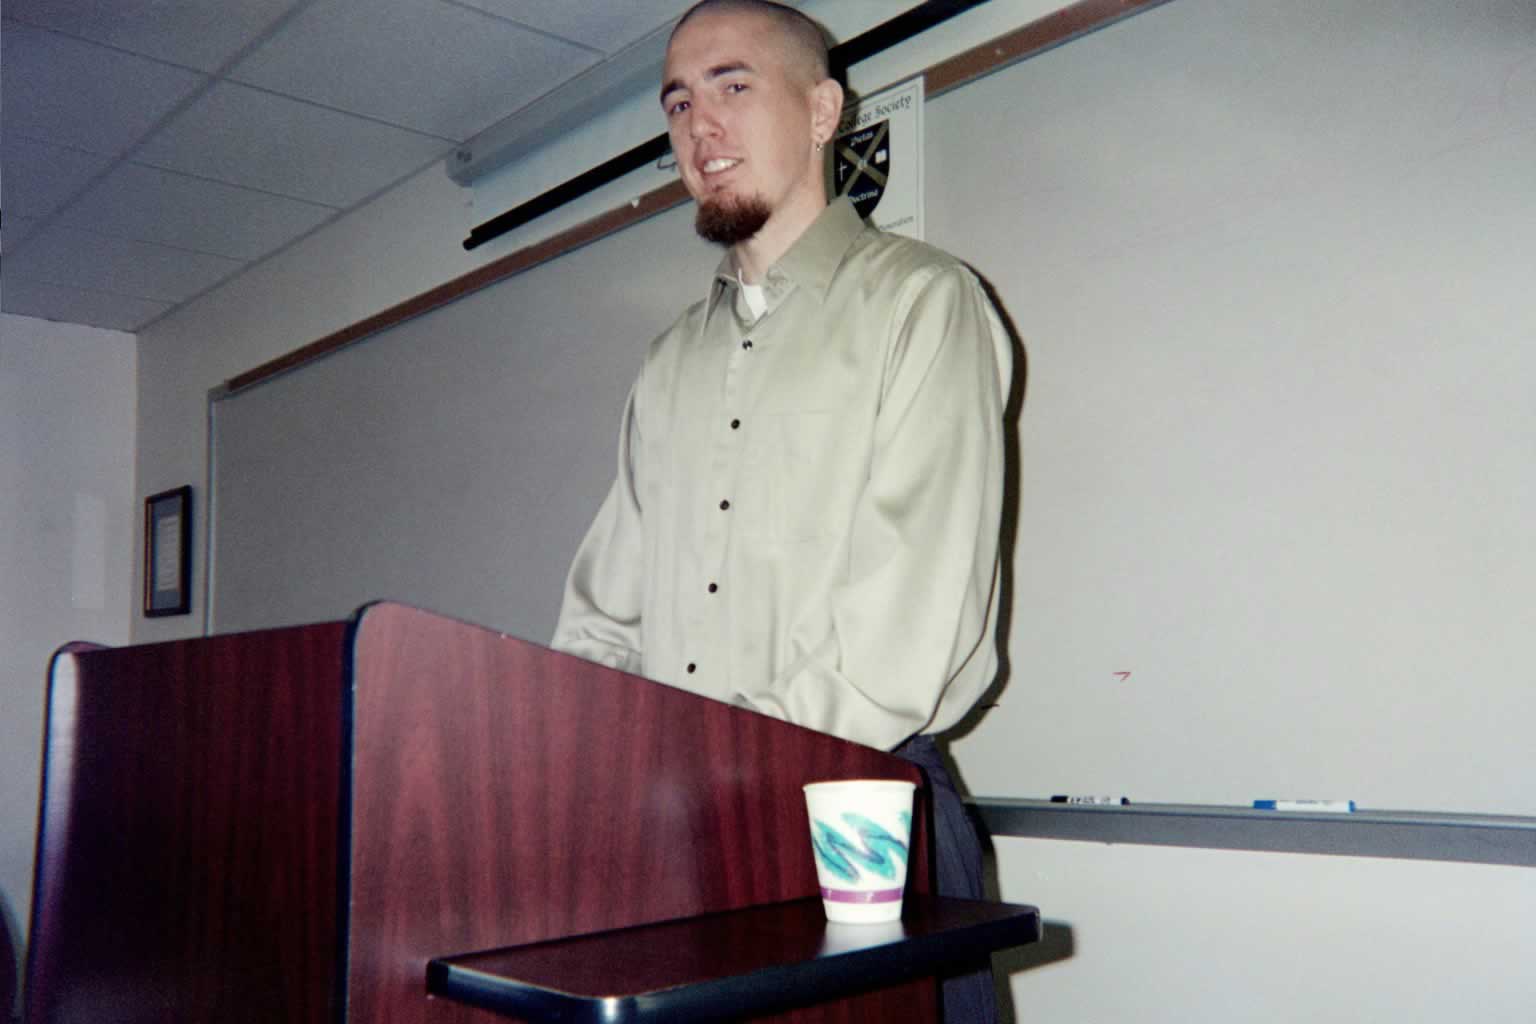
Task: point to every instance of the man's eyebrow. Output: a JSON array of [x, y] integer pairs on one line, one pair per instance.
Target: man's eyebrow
[[718, 71], [727, 69]]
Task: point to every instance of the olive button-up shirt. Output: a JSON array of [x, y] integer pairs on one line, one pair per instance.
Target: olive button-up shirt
[[806, 512]]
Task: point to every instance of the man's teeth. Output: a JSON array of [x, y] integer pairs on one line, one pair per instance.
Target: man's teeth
[[719, 164]]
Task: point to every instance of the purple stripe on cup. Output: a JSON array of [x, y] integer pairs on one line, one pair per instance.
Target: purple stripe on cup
[[853, 896]]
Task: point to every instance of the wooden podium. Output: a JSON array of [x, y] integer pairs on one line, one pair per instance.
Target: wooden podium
[[291, 825]]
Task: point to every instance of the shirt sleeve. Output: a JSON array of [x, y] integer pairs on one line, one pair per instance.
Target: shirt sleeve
[[600, 612], [908, 636]]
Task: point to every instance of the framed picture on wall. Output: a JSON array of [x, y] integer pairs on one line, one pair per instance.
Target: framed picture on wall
[[168, 552]]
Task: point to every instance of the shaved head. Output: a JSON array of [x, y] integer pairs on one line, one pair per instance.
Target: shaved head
[[804, 40]]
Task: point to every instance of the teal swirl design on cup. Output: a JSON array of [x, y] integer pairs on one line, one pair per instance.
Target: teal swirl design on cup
[[871, 850]]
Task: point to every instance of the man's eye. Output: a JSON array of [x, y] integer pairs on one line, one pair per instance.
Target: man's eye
[[736, 87], [677, 108]]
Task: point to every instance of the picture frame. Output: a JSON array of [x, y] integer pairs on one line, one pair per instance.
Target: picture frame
[[168, 553]]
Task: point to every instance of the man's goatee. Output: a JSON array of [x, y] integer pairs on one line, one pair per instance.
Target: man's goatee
[[726, 223]]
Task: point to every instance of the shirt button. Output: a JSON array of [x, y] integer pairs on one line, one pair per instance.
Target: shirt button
[[724, 505], [714, 587], [691, 667], [735, 424]]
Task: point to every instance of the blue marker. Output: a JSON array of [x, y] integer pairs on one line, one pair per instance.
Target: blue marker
[[1328, 806], [1092, 801]]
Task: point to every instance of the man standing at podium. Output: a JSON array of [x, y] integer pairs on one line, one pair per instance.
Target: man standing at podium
[[806, 513]]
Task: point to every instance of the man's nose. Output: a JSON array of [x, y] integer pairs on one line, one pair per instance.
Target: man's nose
[[704, 121]]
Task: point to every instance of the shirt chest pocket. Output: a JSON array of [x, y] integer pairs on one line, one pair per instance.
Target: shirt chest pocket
[[796, 479]]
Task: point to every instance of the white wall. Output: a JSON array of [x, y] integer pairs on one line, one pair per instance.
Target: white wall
[[69, 533], [1165, 935]]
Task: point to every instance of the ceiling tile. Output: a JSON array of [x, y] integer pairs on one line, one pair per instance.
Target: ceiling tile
[[600, 24], [40, 176], [79, 305], [436, 67], [78, 94], [82, 259], [249, 137], [200, 34], [151, 205]]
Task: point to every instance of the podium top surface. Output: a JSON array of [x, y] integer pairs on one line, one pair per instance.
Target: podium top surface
[[727, 965]]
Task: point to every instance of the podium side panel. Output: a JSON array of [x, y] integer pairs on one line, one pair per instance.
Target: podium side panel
[[187, 847], [503, 793]]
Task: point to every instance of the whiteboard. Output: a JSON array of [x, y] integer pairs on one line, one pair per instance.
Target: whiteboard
[[1272, 269], [1275, 266]]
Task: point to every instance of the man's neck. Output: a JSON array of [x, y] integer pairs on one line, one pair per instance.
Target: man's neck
[[754, 256]]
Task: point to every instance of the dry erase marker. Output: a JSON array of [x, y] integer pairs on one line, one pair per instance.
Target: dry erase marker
[[1330, 806], [1092, 801]]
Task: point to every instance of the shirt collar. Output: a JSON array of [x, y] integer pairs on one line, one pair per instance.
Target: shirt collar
[[810, 263]]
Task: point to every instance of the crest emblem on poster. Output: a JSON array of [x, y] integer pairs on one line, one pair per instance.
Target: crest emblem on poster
[[862, 166]]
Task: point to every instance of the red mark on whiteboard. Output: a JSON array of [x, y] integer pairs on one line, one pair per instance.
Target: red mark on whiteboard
[[1123, 676]]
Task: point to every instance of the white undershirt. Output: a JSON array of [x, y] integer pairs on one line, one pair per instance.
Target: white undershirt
[[754, 295]]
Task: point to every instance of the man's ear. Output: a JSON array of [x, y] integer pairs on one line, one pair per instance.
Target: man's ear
[[826, 109]]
